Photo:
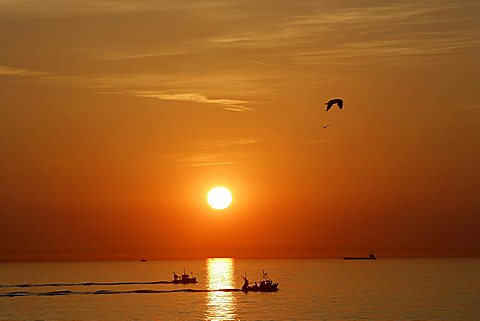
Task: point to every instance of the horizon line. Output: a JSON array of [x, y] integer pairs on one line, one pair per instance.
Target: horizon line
[[232, 257]]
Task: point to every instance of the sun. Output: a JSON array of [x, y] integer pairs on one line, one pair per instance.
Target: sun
[[219, 198]]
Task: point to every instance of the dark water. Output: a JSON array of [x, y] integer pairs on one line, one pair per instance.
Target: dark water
[[321, 289]]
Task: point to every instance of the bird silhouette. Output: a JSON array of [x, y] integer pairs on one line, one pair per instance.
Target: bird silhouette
[[325, 126], [332, 102]]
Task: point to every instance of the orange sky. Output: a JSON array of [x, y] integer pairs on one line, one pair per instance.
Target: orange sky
[[116, 117]]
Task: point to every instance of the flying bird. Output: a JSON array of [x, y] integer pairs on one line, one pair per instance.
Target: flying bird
[[332, 102], [325, 126]]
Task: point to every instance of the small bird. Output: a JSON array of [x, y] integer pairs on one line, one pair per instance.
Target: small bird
[[332, 102], [325, 126]]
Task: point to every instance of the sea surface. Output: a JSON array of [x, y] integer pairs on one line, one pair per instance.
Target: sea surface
[[310, 289]]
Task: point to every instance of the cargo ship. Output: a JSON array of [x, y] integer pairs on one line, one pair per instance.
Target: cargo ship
[[371, 256]]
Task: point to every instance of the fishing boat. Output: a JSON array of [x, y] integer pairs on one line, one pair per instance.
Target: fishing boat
[[371, 256], [184, 278], [265, 285]]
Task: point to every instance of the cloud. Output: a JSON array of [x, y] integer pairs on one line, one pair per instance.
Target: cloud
[[67, 8], [314, 142], [112, 55], [259, 62], [362, 52], [227, 143], [228, 104], [262, 50], [125, 81], [390, 31], [121, 82], [57, 8], [204, 160], [212, 164], [20, 72]]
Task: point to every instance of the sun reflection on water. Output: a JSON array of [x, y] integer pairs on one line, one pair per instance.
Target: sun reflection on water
[[220, 305]]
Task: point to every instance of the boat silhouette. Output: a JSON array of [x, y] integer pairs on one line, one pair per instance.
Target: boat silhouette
[[184, 278], [371, 256], [265, 285]]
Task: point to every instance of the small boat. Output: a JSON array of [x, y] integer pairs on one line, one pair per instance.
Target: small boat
[[371, 256], [143, 260], [184, 278], [265, 285]]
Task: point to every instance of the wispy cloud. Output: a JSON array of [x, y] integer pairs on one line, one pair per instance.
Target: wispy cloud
[[227, 143], [125, 81], [20, 72], [389, 31], [259, 62], [228, 104], [405, 12], [66, 8], [204, 160], [212, 164], [56, 8], [211, 62], [362, 52], [112, 55], [314, 142]]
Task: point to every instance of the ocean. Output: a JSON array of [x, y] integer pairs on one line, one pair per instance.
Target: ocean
[[310, 289]]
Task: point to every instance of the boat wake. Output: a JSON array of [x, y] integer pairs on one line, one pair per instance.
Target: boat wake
[[27, 285], [105, 292]]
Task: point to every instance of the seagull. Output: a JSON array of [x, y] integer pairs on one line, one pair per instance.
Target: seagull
[[332, 102], [325, 126]]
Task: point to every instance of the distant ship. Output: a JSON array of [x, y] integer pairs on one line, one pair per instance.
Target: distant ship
[[143, 260], [184, 278], [266, 285], [371, 256]]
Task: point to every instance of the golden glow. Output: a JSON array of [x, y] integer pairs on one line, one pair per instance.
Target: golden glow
[[219, 198], [220, 305], [154, 122]]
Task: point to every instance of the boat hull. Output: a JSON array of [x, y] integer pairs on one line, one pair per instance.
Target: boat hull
[[262, 288], [190, 281]]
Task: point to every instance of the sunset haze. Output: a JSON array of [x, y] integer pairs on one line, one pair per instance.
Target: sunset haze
[[118, 117]]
